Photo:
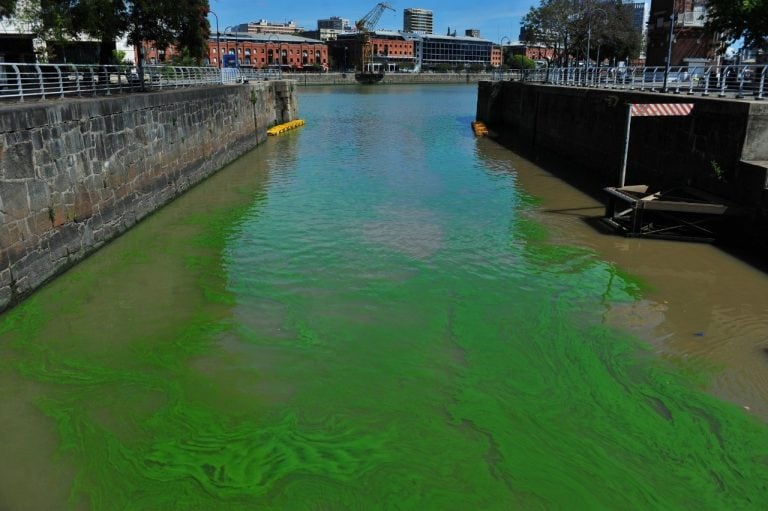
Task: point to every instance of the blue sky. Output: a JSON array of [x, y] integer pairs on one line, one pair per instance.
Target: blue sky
[[494, 18]]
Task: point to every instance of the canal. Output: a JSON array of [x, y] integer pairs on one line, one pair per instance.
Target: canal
[[378, 311]]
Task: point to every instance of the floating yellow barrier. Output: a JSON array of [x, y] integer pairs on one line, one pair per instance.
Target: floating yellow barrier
[[282, 128], [479, 128]]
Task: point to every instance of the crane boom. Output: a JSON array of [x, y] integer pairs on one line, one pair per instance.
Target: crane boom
[[368, 22], [365, 27]]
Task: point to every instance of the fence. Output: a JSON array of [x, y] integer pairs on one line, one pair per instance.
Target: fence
[[742, 82], [46, 81]]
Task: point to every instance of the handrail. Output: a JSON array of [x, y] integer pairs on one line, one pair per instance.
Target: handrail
[[22, 81], [737, 81]]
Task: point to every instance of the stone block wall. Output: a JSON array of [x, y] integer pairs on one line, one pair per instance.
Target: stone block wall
[[76, 173]]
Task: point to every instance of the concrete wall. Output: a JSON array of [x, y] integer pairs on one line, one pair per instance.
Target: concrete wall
[[391, 78], [722, 147], [76, 173]]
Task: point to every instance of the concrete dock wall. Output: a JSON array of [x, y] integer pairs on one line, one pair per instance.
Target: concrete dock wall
[[722, 147], [310, 79], [76, 173]]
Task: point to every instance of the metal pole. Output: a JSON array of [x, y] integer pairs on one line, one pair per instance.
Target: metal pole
[[669, 50], [589, 40], [623, 174], [218, 44]]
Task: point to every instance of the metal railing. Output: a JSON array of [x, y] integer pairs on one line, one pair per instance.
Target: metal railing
[[19, 81], [742, 82]]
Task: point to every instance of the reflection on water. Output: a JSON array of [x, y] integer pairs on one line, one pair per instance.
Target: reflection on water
[[700, 303], [388, 315]]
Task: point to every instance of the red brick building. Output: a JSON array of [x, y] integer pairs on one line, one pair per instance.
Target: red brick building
[[532, 51], [690, 44], [390, 50], [265, 50], [253, 50]]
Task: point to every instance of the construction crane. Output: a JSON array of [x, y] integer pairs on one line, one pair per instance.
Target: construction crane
[[366, 25]]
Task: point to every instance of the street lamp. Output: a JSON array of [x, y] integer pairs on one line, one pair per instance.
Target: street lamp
[[218, 45], [669, 50], [501, 46], [589, 36]]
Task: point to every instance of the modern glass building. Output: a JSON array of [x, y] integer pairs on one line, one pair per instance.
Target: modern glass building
[[432, 51]]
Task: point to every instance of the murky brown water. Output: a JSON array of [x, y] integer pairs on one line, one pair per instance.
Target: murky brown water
[[703, 302]]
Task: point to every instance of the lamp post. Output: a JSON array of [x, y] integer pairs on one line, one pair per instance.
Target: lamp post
[[237, 50], [669, 50], [501, 46], [218, 45], [589, 36]]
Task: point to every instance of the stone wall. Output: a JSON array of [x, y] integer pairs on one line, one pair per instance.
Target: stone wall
[[722, 147], [76, 173]]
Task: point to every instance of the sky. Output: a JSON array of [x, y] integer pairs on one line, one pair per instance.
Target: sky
[[494, 18]]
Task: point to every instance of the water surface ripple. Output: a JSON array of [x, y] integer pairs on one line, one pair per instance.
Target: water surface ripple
[[367, 313]]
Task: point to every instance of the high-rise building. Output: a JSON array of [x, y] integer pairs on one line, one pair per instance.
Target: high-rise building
[[417, 20], [329, 29], [640, 13], [334, 23]]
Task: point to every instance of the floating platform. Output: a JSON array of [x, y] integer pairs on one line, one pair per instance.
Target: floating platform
[[369, 78], [682, 213], [282, 128], [479, 128]]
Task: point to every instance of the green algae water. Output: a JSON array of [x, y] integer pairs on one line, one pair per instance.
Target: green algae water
[[362, 314]]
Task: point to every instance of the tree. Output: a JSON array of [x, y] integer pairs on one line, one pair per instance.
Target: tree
[[7, 8], [164, 22], [193, 28], [551, 24], [520, 62], [570, 26], [49, 20], [746, 19]]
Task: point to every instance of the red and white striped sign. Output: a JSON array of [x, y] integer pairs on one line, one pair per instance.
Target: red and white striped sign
[[661, 109]]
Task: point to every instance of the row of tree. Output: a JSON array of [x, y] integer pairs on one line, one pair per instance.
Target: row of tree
[[568, 26], [183, 23], [572, 27]]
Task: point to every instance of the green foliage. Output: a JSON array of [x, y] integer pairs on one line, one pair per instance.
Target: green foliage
[[717, 170], [184, 59], [746, 19], [567, 26], [519, 62], [7, 8], [119, 56], [164, 22]]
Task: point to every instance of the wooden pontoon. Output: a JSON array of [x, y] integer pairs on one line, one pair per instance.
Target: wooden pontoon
[[682, 213]]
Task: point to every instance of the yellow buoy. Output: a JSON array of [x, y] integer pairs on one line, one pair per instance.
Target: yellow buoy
[[282, 128], [479, 128]]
